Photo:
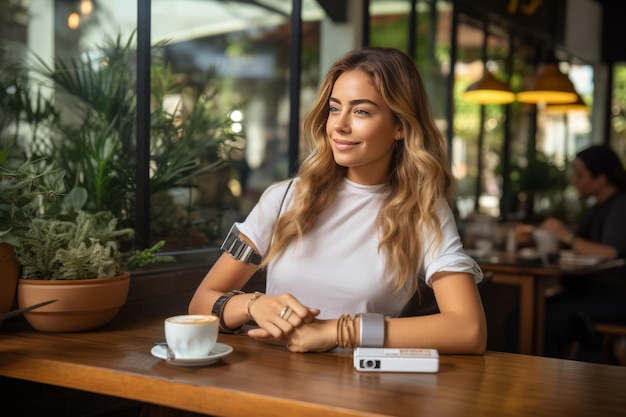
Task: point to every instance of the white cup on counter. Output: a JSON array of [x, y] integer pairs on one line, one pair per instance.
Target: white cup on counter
[[191, 336], [547, 244]]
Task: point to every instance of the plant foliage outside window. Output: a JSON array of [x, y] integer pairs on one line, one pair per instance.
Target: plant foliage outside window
[[87, 128]]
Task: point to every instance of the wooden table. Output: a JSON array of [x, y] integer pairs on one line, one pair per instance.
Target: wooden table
[[532, 279], [263, 380]]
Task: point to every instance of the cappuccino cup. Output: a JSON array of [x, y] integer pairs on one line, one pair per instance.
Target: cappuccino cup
[[191, 336]]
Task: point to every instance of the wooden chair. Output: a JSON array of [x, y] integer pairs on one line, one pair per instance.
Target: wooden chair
[[613, 341], [611, 334]]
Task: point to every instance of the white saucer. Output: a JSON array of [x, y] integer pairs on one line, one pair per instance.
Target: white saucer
[[218, 351], [476, 253], [528, 254], [579, 260]]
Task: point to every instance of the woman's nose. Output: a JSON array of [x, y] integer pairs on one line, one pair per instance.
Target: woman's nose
[[342, 122]]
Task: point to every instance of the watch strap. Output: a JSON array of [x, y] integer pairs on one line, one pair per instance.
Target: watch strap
[[239, 249], [372, 330]]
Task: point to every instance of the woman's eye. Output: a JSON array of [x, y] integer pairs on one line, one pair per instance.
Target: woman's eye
[[361, 111], [333, 109]]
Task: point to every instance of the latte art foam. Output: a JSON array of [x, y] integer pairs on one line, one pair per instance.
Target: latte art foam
[[192, 319]]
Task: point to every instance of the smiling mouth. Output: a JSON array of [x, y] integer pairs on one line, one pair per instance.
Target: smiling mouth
[[342, 145]]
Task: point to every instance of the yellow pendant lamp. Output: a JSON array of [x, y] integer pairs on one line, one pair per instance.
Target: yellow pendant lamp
[[563, 108], [549, 85], [489, 90]]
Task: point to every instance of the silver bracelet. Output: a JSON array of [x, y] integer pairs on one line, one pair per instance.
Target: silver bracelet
[[372, 330], [239, 249]]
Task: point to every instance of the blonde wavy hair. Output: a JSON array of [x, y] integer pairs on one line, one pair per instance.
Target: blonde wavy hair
[[419, 178]]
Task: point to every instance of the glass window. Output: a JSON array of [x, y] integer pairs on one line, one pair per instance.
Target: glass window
[[390, 27], [234, 55], [219, 104], [562, 131], [618, 111], [467, 119]]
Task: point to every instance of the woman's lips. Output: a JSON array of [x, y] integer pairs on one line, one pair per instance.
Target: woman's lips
[[343, 145]]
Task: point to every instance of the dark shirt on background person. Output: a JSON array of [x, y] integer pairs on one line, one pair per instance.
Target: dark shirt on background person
[[606, 223]]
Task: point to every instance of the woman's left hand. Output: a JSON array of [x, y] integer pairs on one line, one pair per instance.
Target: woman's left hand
[[317, 336]]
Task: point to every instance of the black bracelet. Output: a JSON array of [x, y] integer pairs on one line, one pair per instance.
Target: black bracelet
[[218, 310]]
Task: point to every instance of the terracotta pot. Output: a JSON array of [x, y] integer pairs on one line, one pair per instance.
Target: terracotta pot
[[9, 271], [81, 305]]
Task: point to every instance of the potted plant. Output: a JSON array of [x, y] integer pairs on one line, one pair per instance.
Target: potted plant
[[23, 190], [79, 259]]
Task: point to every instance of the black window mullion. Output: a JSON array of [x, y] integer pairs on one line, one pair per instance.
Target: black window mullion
[[142, 190], [295, 65]]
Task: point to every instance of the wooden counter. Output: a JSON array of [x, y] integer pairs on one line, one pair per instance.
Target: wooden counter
[[263, 380]]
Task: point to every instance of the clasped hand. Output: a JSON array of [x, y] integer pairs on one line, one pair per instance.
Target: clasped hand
[[283, 318], [557, 228]]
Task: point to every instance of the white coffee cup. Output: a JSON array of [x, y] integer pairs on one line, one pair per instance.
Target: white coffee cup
[[191, 336], [546, 242]]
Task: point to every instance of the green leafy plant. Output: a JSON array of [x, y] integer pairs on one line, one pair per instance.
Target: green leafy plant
[[87, 129], [80, 245], [26, 190], [55, 239], [535, 176], [538, 174], [96, 146]]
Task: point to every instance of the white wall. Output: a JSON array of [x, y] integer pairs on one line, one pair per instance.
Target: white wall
[[583, 29]]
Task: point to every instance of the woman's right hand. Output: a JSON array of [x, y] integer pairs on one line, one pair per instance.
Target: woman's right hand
[[278, 315], [558, 229], [524, 235]]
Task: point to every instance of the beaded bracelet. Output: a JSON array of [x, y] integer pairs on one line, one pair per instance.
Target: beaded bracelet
[[349, 325], [346, 336], [340, 340]]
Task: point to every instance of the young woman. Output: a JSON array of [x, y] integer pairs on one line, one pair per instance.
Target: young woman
[[368, 215]]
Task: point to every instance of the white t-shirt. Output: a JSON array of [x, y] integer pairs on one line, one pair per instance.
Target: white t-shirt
[[337, 266]]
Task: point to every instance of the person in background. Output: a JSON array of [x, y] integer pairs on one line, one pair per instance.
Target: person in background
[[598, 174], [368, 215]]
